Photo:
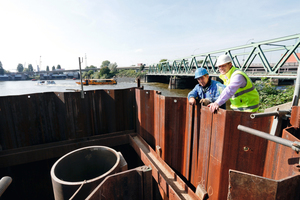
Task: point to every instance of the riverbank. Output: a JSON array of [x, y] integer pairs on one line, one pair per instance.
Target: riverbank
[[14, 88]]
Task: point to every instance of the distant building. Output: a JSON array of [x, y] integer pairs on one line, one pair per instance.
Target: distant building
[[4, 78], [58, 76]]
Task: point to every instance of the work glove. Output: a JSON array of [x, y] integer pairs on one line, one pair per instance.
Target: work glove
[[205, 102]]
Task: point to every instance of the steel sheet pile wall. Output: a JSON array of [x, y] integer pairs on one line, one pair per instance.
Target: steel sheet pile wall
[[282, 161], [222, 147], [50, 117], [161, 121], [198, 144], [281, 176]]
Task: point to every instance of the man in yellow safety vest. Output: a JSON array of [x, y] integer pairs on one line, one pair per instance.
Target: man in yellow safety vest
[[239, 88]]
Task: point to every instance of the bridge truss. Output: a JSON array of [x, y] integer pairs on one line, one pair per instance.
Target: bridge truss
[[243, 57]]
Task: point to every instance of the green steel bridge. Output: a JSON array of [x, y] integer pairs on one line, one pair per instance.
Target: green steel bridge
[[256, 59]]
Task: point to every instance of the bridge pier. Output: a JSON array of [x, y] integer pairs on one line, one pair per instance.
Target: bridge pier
[[159, 79], [176, 82]]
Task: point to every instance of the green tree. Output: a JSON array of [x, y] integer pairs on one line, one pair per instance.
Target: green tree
[[142, 67], [113, 67], [30, 68], [1, 69], [47, 69], [90, 73], [25, 70], [85, 75], [105, 63], [91, 67], [20, 68], [104, 71], [58, 67], [53, 68]]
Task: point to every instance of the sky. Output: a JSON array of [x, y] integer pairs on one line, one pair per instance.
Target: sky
[[59, 32]]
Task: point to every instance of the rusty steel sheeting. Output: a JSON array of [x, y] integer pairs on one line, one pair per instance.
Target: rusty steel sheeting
[[159, 119], [188, 141], [229, 149], [281, 161], [248, 186], [174, 132], [203, 147], [35, 119], [171, 185], [288, 159], [145, 115], [295, 117], [213, 147], [161, 123], [135, 184], [195, 143]]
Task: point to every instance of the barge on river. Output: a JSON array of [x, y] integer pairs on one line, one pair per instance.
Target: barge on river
[[173, 150], [98, 82]]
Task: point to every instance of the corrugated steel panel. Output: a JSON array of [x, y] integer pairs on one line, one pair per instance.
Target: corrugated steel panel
[[34, 119], [203, 143], [288, 159], [234, 149], [145, 115], [249, 186], [188, 142]]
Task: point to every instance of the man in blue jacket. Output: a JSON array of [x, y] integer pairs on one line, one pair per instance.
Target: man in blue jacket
[[207, 91]]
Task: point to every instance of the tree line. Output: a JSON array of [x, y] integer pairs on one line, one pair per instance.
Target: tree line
[[109, 70], [20, 68]]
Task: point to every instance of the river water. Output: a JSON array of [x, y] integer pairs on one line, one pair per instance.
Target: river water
[[8, 88]]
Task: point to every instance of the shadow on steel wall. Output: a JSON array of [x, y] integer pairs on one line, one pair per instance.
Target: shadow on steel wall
[[34, 119]]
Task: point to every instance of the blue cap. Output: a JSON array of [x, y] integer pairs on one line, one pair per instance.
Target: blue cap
[[200, 72]]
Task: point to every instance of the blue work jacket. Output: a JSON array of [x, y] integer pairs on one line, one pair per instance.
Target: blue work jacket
[[212, 93]]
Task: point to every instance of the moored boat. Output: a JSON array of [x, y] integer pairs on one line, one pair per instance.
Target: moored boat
[[98, 82], [46, 83]]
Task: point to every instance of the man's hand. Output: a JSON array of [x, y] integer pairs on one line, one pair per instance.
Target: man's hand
[[205, 102], [213, 107], [192, 101]]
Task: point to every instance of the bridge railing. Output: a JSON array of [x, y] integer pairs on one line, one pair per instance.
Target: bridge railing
[[242, 57]]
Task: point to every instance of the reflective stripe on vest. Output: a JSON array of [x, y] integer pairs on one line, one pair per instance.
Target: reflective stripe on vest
[[247, 108], [243, 92]]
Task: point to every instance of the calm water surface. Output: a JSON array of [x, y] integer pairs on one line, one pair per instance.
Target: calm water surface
[[8, 88]]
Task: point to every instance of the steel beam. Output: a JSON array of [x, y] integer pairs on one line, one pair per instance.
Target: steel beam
[[169, 182]]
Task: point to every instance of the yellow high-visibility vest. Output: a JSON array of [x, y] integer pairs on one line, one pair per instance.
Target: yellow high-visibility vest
[[244, 99]]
